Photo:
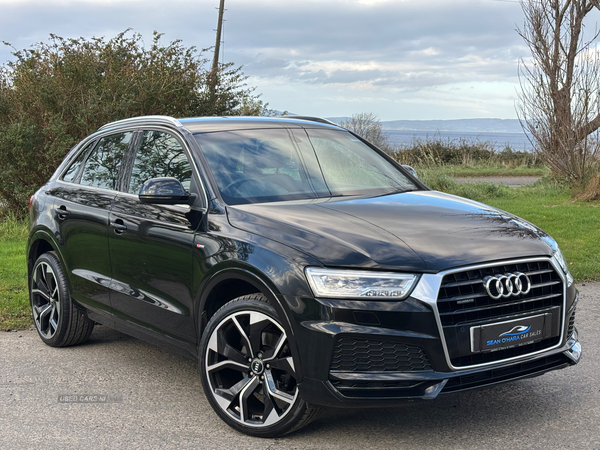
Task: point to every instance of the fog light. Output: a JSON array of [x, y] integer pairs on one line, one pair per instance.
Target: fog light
[[574, 353], [433, 390]]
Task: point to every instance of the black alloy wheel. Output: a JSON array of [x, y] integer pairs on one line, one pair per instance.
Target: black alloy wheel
[[57, 319], [248, 372]]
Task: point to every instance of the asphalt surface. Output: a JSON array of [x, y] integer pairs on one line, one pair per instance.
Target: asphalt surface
[[508, 181], [154, 399]]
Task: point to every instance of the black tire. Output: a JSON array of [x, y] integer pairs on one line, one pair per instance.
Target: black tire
[[248, 372], [59, 322]]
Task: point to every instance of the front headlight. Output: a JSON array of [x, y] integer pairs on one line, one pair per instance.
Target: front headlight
[[562, 262], [338, 283]]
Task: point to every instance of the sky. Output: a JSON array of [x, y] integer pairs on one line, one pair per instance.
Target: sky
[[398, 59]]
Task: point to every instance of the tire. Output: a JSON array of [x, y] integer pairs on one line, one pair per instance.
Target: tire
[[59, 322], [248, 372]]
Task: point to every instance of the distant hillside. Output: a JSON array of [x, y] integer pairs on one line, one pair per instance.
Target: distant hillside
[[465, 125]]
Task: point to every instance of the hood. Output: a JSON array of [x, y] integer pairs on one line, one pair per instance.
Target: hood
[[423, 231]]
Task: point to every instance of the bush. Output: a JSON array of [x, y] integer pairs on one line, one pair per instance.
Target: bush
[[589, 189], [55, 94], [436, 152]]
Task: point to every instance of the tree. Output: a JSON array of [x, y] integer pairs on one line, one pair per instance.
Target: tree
[[560, 86], [58, 92], [367, 126]]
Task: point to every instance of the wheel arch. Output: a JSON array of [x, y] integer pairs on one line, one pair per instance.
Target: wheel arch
[[41, 242], [230, 283]]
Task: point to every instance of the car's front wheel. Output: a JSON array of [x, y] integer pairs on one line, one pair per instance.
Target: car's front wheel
[[248, 372]]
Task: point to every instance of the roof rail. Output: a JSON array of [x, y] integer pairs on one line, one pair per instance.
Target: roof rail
[[312, 119], [168, 120]]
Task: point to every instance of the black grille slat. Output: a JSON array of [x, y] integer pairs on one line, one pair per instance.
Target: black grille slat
[[518, 302], [367, 355], [540, 272], [462, 283], [457, 312], [548, 283]]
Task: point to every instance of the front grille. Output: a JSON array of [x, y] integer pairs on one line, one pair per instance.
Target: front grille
[[458, 288], [352, 354], [463, 303]]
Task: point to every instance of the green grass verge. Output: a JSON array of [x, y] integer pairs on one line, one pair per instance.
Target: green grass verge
[[574, 225], [484, 171], [14, 297]]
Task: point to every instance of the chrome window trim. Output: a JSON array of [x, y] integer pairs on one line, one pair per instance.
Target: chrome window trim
[[85, 186], [428, 288]]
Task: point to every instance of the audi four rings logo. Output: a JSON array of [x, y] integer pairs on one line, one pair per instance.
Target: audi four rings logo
[[503, 286]]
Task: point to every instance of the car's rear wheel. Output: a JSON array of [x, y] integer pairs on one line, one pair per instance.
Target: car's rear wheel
[[248, 372], [58, 320]]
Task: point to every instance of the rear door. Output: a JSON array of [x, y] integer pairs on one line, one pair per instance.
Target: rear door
[[151, 245], [83, 199]]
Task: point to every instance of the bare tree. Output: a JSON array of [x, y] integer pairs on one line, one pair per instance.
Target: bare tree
[[368, 126], [560, 86]]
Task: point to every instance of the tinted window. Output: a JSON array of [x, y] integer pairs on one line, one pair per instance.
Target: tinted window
[[73, 169], [102, 167], [350, 166], [159, 155], [261, 165], [275, 165]]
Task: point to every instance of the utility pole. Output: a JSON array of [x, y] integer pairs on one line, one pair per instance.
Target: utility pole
[[215, 64]]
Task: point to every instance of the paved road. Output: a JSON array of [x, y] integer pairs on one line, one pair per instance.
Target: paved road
[[508, 181], [156, 401]]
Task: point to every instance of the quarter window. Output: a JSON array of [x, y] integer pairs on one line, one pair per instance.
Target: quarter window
[[73, 169], [159, 155], [102, 167]]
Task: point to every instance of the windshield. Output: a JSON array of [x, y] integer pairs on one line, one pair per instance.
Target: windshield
[[256, 166]]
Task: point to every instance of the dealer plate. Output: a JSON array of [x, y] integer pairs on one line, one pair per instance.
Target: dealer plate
[[512, 333]]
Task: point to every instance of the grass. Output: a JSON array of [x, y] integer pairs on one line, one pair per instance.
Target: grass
[[489, 171], [574, 225], [14, 299]]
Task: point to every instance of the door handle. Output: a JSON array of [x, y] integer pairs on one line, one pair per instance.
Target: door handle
[[118, 226], [62, 212]]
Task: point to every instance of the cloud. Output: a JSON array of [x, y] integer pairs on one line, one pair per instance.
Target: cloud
[[382, 49]]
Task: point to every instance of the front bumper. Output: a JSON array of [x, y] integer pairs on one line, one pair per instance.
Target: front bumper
[[389, 389], [369, 354]]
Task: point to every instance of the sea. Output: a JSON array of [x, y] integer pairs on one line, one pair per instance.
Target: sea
[[516, 141]]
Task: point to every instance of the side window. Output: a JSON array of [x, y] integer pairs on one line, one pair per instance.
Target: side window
[[73, 169], [102, 167], [159, 155]]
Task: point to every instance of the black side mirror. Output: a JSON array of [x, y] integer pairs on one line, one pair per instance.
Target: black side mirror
[[165, 191]]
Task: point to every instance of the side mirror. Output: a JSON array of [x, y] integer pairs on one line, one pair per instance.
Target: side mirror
[[411, 170], [165, 191]]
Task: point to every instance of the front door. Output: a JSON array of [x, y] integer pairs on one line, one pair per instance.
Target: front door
[[151, 245]]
